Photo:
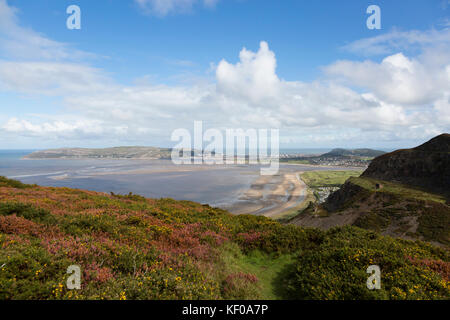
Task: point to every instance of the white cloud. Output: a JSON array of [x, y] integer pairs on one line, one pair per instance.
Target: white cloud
[[247, 94], [398, 79], [165, 7], [51, 78], [252, 78], [395, 41], [442, 108], [403, 97], [23, 43], [58, 128]]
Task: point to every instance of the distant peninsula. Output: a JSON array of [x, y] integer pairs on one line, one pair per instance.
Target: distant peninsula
[[104, 153]]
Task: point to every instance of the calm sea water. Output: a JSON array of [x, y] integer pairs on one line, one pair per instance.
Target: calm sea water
[[215, 185]]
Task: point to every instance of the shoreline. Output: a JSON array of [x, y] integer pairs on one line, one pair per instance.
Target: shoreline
[[272, 196], [276, 196]]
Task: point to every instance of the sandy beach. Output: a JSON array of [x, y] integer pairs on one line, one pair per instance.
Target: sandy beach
[[267, 195], [271, 195], [239, 189]]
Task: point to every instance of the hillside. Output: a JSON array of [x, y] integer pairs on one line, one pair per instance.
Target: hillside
[[130, 247], [403, 194], [427, 165], [106, 153], [353, 153], [338, 157]]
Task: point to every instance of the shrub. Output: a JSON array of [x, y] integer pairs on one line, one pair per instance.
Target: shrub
[[5, 182], [240, 286], [26, 211], [336, 269]]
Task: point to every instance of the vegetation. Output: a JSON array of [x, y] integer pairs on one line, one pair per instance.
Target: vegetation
[[295, 161], [393, 208], [336, 268], [130, 247], [109, 153], [320, 184], [5, 182], [397, 189], [319, 179]]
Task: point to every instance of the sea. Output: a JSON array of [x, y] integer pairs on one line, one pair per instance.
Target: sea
[[218, 186]]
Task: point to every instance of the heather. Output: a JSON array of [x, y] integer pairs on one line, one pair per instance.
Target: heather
[[336, 268], [130, 247]]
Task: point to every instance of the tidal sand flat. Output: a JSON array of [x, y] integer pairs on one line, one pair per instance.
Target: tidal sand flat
[[271, 195], [237, 188]]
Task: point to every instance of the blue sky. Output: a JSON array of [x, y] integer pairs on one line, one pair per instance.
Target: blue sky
[[138, 69]]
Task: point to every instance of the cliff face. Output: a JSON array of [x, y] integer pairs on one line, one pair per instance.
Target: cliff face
[[426, 166]]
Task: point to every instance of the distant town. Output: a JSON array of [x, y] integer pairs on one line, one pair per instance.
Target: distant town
[[336, 157]]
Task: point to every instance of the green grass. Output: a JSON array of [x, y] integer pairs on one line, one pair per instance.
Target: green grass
[[5, 182], [336, 268], [135, 248], [394, 201], [435, 225], [397, 189], [271, 270], [296, 161], [318, 179], [26, 211]]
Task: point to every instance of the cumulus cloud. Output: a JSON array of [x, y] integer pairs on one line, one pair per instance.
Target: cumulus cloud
[[398, 79], [165, 7], [246, 94], [253, 78], [403, 97]]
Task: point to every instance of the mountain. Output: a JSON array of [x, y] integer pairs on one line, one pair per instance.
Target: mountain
[[105, 153], [404, 193], [352, 153], [131, 247]]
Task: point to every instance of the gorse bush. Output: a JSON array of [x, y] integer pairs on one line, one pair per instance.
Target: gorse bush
[[5, 182], [130, 247], [336, 269], [26, 211]]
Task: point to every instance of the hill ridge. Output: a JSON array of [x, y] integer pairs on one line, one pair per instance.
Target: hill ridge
[[426, 166], [405, 193]]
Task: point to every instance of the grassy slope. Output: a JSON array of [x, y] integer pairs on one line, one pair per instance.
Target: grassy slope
[[407, 211], [318, 179], [270, 269], [398, 189], [129, 247]]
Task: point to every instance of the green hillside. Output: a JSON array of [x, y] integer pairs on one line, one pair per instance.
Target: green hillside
[[103, 153], [353, 153], [130, 247]]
